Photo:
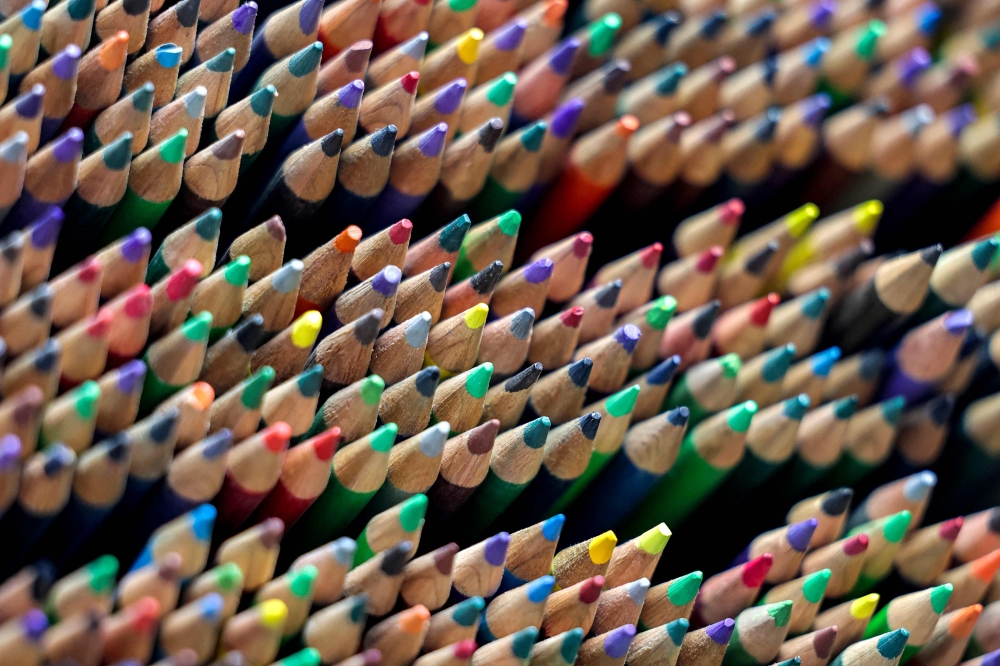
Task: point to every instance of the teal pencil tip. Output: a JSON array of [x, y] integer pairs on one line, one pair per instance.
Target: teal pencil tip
[[532, 136], [891, 645], [892, 408], [796, 406], [305, 60], [984, 251], [208, 224], [118, 154]]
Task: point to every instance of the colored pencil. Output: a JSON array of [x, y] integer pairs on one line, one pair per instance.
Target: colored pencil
[[284, 33], [884, 538]]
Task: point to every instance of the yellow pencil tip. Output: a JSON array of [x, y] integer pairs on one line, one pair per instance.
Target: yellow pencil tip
[[864, 607], [602, 546], [273, 613], [475, 316], [653, 541], [468, 46], [801, 218], [305, 329], [867, 215]]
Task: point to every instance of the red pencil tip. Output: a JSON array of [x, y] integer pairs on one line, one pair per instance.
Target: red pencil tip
[[650, 256], [90, 269], [760, 311], [950, 528], [709, 258], [732, 211], [183, 281], [582, 244], [409, 82], [856, 545], [325, 443], [100, 323], [139, 301], [276, 437], [591, 589], [464, 649], [146, 611], [399, 233], [572, 317], [756, 570]]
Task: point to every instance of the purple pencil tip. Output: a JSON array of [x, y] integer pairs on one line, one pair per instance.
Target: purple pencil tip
[[618, 641], [816, 108], [913, 65], [821, 12], [130, 376], [496, 549], [387, 280], [35, 623], [721, 631], [510, 37], [10, 451], [562, 55], [350, 95], [449, 99], [432, 141], [958, 322], [628, 337], [309, 16], [244, 18], [799, 534], [991, 659], [959, 117], [45, 229], [29, 104], [565, 116], [539, 271], [65, 62], [69, 146], [136, 244]]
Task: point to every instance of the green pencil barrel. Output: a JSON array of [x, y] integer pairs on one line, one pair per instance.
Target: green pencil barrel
[[750, 474], [132, 212], [848, 472], [154, 389], [494, 199], [491, 499], [598, 461], [329, 515], [680, 396]]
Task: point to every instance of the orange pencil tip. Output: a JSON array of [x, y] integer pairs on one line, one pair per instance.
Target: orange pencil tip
[[348, 239], [204, 394], [553, 14], [114, 51], [963, 621], [985, 568], [412, 619], [627, 125]]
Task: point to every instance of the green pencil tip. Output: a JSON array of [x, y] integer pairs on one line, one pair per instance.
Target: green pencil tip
[[304, 657], [892, 408], [118, 153], [237, 271], [683, 590], [509, 222], [412, 512], [868, 36], [196, 328], [262, 101], [531, 137], [621, 403], [602, 33], [814, 586], [781, 612], [740, 416], [677, 630], [535, 432], [571, 644], [207, 224], [255, 386], [6, 41], [301, 581], [891, 645], [371, 389], [940, 596], [461, 5], [983, 252], [228, 576], [466, 613], [305, 60], [896, 526], [172, 149], [730, 365], [381, 440], [87, 396], [845, 407], [522, 642], [502, 89], [661, 312], [478, 381], [103, 572]]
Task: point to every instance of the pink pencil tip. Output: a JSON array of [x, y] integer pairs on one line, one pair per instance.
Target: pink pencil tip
[[856, 545], [709, 259], [409, 82], [464, 649], [756, 570], [89, 269], [950, 528], [582, 244], [650, 256], [399, 233], [732, 211]]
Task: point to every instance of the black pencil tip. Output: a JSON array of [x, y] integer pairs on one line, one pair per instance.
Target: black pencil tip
[[589, 423], [607, 297], [757, 263], [396, 558], [250, 333], [489, 134], [485, 280], [930, 254], [383, 140], [837, 501], [439, 276], [427, 381], [332, 142], [163, 427], [187, 12], [940, 408], [524, 379], [579, 372], [366, 328], [702, 325]]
